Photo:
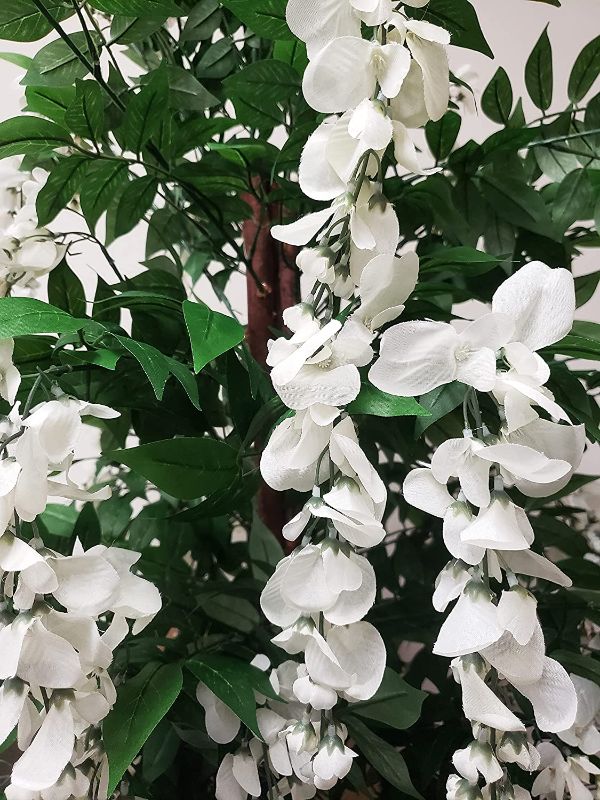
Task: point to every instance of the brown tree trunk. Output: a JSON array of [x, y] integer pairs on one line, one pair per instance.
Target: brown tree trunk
[[272, 286]]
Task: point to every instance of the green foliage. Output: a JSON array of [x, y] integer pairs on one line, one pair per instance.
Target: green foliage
[[538, 73], [211, 334]]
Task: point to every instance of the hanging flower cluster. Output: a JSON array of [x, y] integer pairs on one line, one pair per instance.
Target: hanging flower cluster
[[62, 616], [492, 633], [375, 89], [27, 252]]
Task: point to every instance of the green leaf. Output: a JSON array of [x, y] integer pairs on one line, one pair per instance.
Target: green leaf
[[57, 65], [257, 90], [59, 520], [497, 97], [135, 200], [186, 92], [66, 291], [585, 71], [374, 401], [265, 18], [141, 704], [264, 548], [211, 333], [585, 287], [234, 682], [573, 198], [85, 116], [139, 8], [107, 359], [30, 136], [586, 666], [582, 342], [202, 22], [102, 181], [396, 703], [229, 610], [538, 72], [21, 20], [441, 135], [517, 203], [185, 468], [151, 360], [218, 60], [49, 101], [460, 19], [439, 402], [159, 751], [20, 316], [146, 111], [182, 374], [128, 30], [63, 182], [463, 260], [382, 756]]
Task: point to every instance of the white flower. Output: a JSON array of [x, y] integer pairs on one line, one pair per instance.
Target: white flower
[[515, 749], [558, 773], [333, 760], [480, 703], [500, 526], [312, 694], [517, 613], [222, 725], [584, 733], [319, 578], [384, 285], [355, 664], [449, 585], [349, 69], [416, 357], [237, 776], [10, 377], [472, 624], [460, 789], [289, 460], [476, 758]]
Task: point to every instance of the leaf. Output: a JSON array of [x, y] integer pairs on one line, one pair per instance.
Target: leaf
[[184, 468], [135, 200], [516, 202], [585, 287], [234, 682], [102, 181], [65, 290], [586, 666], [202, 22], [186, 92], [64, 181], [382, 756], [573, 198], [374, 401], [211, 333], [159, 751], [460, 19], [24, 315], [396, 703], [256, 91], [59, 520], [538, 72], [463, 260], [141, 704], [85, 116], [439, 402], [585, 71], [146, 111], [21, 20], [107, 359], [234, 612], [182, 374], [57, 65], [139, 8], [264, 548], [497, 97], [26, 135], [441, 135], [151, 360], [265, 18], [128, 30], [49, 101]]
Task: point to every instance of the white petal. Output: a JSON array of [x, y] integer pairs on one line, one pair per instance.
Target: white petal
[[526, 562], [16, 555], [361, 651], [332, 387], [456, 519], [245, 772], [500, 526], [386, 282], [136, 598], [13, 695], [227, 787], [427, 31], [305, 585], [57, 426], [271, 599], [316, 176], [478, 369], [422, 491], [449, 585], [397, 63], [471, 626], [408, 106], [542, 302], [415, 357], [340, 75], [41, 764], [553, 697], [317, 22], [370, 123], [48, 660], [517, 662], [433, 60], [9, 472], [292, 529], [86, 583], [304, 229], [222, 725], [353, 604], [405, 151], [517, 613], [11, 644], [480, 704], [287, 369]]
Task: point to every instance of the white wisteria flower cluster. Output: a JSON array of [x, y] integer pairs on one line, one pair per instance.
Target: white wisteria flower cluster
[[61, 616], [27, 252], [492, 632], [374, 90]]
